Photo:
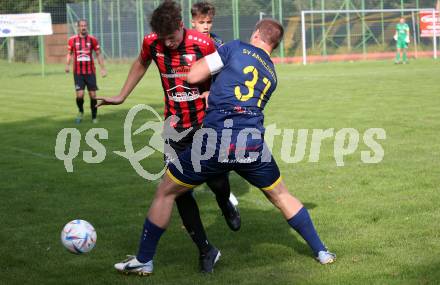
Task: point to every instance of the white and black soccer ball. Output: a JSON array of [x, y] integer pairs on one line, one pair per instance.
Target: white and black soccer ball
[[78, 236]]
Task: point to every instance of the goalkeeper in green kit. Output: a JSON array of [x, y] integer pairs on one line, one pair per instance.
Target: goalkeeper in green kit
[[402, 38]]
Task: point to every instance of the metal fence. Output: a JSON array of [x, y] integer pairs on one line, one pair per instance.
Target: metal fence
[[362, 34], [120, 25]]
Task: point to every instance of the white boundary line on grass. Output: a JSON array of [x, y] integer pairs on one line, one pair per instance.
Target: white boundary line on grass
[[33, 153]]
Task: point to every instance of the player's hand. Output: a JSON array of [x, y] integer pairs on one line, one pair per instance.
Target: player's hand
[[67, 69], [115, 100], [103, 72], [407, 40], [205, 95], [395, 37]]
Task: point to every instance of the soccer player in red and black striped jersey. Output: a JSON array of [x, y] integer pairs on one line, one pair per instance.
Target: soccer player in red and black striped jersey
[[173, 49], [81, 47]]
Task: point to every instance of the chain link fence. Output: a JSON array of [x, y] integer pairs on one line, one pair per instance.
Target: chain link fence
[[120, 25]]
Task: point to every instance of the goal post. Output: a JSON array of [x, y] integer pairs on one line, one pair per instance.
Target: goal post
[[365, 34]]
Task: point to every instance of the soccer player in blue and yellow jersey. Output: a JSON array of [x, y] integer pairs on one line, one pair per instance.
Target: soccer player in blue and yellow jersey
[[203, 19], [232, 128]]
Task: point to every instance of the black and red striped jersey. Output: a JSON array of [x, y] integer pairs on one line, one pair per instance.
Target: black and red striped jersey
[[181, 98], [82, 49]]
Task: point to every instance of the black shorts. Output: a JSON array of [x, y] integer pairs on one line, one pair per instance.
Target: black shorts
[[179, 146], [83, 80]]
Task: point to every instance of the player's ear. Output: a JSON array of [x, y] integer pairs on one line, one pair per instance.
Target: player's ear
[[193, 23], [256, 35]]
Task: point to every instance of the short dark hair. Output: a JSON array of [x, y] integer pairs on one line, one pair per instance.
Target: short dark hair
[[81, 20], [166, 18], [271, 32], [203, 8]]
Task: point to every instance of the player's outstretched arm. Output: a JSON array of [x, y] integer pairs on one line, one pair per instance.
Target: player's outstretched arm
[[135, 74]]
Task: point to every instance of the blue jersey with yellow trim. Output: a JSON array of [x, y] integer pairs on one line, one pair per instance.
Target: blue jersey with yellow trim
[[238, 95], [242, 88], [216, 39]]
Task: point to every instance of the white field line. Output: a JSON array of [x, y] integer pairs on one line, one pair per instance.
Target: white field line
[[37, 154]]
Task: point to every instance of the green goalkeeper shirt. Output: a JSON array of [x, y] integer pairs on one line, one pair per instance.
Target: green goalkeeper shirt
[[402, 30]]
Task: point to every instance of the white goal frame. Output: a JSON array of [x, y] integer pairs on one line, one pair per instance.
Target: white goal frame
[[310, 12]]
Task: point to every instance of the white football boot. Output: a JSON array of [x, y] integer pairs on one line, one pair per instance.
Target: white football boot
[[132, 266], [326, 257]]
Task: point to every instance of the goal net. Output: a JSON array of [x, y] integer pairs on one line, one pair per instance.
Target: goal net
[[366, 34]]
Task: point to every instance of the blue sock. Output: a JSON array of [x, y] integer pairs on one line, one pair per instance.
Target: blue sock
[[302, 223], [149, 240]]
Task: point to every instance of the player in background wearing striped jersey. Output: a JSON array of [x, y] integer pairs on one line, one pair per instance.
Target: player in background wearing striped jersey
[[173, 49], [81, 47]]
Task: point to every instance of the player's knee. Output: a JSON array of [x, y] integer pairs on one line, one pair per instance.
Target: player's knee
[[168, 188], [273, 196], [277, 195]]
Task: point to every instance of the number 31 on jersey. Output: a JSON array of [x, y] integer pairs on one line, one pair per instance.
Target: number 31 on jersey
[[250, 84]]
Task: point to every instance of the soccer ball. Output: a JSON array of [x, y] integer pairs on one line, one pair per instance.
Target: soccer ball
[[78, 236]]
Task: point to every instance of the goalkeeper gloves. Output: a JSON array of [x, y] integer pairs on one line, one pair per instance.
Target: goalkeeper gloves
[[407, 40], [395, 37]]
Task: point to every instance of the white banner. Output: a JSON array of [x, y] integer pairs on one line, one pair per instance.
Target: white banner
[[21, 25]]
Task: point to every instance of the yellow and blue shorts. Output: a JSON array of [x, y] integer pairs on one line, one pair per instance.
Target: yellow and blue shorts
[[260, 172]]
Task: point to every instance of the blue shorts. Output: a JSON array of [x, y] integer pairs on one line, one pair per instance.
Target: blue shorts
[[260, 170]]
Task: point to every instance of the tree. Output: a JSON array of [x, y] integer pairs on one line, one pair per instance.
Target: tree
[[29, 6]]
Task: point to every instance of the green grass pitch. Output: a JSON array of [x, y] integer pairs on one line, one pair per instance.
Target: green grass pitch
[[381, 219]]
